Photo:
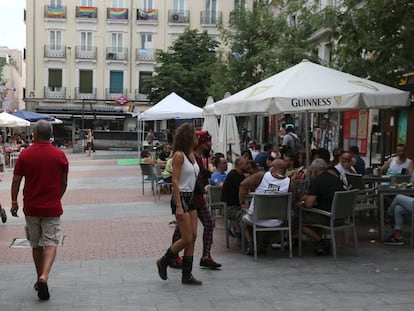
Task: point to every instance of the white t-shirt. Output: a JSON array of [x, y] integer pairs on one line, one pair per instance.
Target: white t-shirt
[[268, 183]]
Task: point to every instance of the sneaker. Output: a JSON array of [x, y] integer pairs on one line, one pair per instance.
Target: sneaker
[[3, 215], [392, 240], [176, 263], [209, 262]]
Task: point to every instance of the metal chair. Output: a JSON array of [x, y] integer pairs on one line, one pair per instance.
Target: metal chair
[[214, 201], [160, 181], [148, 175], [267, 206], [341, 217], [367, 198]]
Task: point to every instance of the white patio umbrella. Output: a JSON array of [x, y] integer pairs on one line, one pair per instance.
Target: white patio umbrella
[[9, 120], [229, 140], [210, 123], [309, 87]]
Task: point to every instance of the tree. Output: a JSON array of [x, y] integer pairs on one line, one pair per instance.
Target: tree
[[258, 44], [375, 39], [185, 68]]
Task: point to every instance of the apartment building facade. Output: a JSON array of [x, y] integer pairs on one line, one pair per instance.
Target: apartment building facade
[[86, 59]]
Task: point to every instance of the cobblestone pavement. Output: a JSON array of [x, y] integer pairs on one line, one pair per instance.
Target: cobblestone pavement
[[113, 234]]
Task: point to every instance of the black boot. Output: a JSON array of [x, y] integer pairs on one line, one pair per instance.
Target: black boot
[[187, 277], [162, 263]]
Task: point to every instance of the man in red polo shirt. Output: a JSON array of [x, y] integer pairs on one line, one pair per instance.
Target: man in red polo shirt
[[45, 171]]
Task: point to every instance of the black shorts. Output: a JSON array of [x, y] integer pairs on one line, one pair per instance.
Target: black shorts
[[187, 201]]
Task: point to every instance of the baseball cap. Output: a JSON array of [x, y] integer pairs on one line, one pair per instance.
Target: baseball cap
[[203, 137], [289, 126]]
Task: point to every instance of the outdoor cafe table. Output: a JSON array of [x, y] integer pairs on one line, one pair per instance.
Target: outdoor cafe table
[[384, 191], [375, 180]]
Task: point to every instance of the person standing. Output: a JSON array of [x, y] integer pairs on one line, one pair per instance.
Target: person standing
[[89, 141], [184, 175], [45, 171], [202, 148]]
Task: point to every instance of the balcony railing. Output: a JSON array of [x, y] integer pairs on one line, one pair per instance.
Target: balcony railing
[[55, 11], [145, 55], [179, 17], [114, 92], [85, 95], [85, 52], [117, 13], [55, 51], [55, 92], [149, 16], [211, 17], [139, 96], [116, 53]]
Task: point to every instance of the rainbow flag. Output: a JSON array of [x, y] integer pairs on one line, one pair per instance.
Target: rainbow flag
[[147, 15], [55, 12], [86, 11], [115, 13]]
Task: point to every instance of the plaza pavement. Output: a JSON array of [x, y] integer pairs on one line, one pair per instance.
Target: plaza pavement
[[113, 235]]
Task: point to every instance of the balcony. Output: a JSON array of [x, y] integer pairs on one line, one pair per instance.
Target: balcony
[[179, 17], [82, 94], [114, 92], [145, 55], [115, 53], [140, 97], [210, 17], [117, 14], [86, 12], [54, 92], [55, 11], [85, 52], [147, 16], [55, 51]]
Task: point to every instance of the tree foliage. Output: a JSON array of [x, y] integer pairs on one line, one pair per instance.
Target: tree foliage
[[374, 39], [185, 68], [258, 44]]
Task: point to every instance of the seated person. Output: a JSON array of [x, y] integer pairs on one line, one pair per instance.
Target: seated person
[[322, 188], [401, 205], [399, 164], [219, 175], [273, 180], [146, 157], [230, 192], [345, 166], [264, 159], [164, 155], [166, 177]]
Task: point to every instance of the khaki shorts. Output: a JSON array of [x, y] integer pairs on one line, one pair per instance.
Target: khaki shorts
[[42, 231]]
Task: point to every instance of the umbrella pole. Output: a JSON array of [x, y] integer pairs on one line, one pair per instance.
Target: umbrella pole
[[307, 146]]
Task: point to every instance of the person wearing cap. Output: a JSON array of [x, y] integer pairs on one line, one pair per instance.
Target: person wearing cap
[[202, 149], [290, 140]]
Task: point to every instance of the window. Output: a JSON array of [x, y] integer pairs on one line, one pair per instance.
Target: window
[[146, 41], [118, 3], [85, 81], [55, 79], [87, 3], [143, 88], [178, 5], [56, 2], [55, 40], [147, 4], [211, 5], [116, 40], [86, 41], [116, 82], [238, 4]]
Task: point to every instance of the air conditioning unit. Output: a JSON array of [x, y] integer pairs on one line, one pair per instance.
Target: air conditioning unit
[[110, 56], [179, 18]]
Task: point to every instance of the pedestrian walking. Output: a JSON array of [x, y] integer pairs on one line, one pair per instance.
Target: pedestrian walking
[[45, 171], [184, 175]]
